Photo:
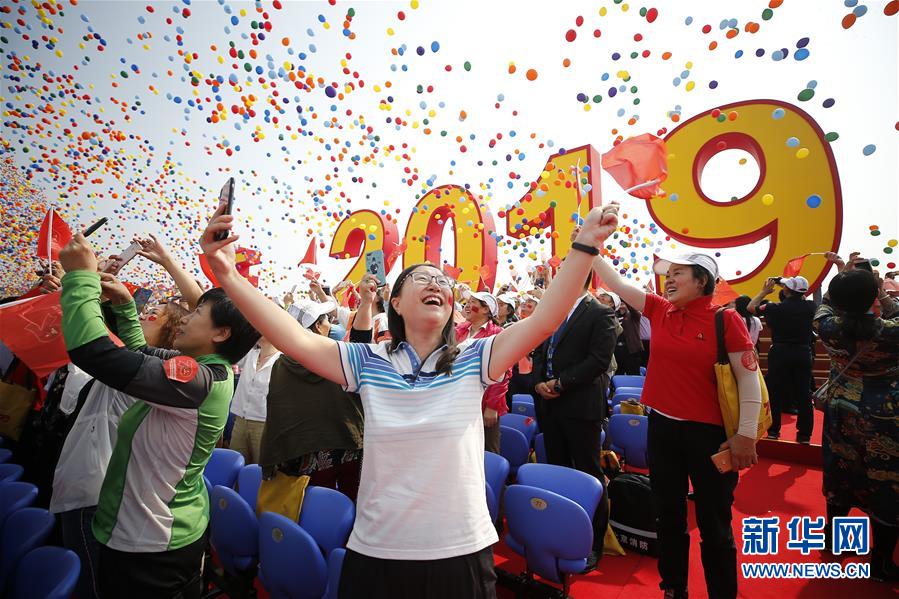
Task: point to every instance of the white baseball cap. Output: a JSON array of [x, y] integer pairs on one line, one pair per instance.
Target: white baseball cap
[[488, 299], [508, 298], [307, 312], [616, 301], [797, 284], [704, 261]]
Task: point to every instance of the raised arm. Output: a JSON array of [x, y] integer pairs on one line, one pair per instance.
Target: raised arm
[[767, 288], [155, 251], [515, 342], [318, 354], [631, 294]]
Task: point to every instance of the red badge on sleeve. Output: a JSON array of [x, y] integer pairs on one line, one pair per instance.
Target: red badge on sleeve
[[181, 368]]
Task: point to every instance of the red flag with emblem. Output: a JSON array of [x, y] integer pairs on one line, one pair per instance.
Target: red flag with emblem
[[638, 165], [794, 266], [32, 330], [53, 236]]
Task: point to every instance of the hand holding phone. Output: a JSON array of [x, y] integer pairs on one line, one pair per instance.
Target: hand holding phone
[[723, 462], [113, 266], [374, 265], [226, 196]]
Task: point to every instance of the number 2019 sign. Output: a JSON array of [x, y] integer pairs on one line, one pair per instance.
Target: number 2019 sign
[[796, 203]]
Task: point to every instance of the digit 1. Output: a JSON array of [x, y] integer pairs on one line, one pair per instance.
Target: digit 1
[[361, 232], [475, 244], [796, 203], [553, 200]]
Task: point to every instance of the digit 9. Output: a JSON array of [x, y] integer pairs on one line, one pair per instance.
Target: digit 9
[[805, 215]]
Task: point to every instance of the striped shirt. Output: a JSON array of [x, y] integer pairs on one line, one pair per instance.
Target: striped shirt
[[422, 491]]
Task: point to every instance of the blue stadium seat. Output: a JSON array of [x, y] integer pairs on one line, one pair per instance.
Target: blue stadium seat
[[248, 482], [513, 446], [234, 531], [579, 487], [524, 408], [223, 467], [291, 565], [526, 424], [492, 503], [643, 371], [335, 566], [623, 393], [496, 471], [5, 455], [13, 497], [27, 529], [523, 397], [10, 472], [328, 516], [627, 380], [553, 533], [48, 573], [629, 437]]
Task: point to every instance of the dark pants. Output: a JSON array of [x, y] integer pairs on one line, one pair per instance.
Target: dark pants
[[343, 477], [174, 574], [575, 443], [491, 438], [679, 451], [470, 576], [789, 371], [627, 362], [78, 536]]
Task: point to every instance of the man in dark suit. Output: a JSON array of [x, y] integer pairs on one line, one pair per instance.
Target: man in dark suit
[[570, 396]]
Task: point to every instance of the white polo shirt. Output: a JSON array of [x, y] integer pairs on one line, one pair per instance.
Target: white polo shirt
[[249, 397], [422, 491]]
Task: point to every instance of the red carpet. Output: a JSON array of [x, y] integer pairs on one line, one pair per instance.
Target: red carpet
[[768, 489]]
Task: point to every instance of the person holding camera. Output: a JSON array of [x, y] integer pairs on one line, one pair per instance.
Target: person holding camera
[[789, 359]]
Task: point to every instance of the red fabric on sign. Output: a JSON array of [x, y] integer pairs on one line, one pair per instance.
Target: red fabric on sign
[[724, 293], [57, 238], [309, 258], [638, 160]]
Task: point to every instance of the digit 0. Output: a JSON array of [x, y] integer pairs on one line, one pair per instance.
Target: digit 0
[[796, 203], [475, 246], [361, 232], [568, 185]]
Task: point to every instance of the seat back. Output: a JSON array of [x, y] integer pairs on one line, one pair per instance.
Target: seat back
[[13, 497], [629, 437], [526, 424], [10, 472], [48, 573], [223, 467], [496, 471], [328, 516], [524, 408], [627, 380], [553, 533], [643, 371], [523, 397], [513, 446], [5, 455], [335, 566], [234, 531], [540, 449], [248, 482], [291, 564], [580, 487], [27, 529], [492, 503], [624, 393]]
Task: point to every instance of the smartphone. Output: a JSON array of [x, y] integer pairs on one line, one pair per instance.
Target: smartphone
[[114, 266], [226, 196], [374, 265], [722, 461], [864, 265], [141, 297]]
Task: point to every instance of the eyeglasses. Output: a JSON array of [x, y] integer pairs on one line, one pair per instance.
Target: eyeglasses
[[421, 278]]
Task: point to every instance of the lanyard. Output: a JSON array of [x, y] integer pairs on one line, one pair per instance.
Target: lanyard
[[551, 350]]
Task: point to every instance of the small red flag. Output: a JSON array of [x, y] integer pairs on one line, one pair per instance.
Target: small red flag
[[637, 161], [724, 293], [245, 258], [452, 271], [794, 266], [398, 251], [555, 261], [53, 236], [309, 258]]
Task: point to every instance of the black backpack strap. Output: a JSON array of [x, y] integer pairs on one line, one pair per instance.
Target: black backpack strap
[[719, 334]]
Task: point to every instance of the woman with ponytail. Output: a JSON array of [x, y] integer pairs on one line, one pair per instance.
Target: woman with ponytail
[[861, 422]]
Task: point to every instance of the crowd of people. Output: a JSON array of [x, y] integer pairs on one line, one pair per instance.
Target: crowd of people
[[393, 402]]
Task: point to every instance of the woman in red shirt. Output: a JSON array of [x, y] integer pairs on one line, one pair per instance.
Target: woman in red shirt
[[685, 426], [480, 321]]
